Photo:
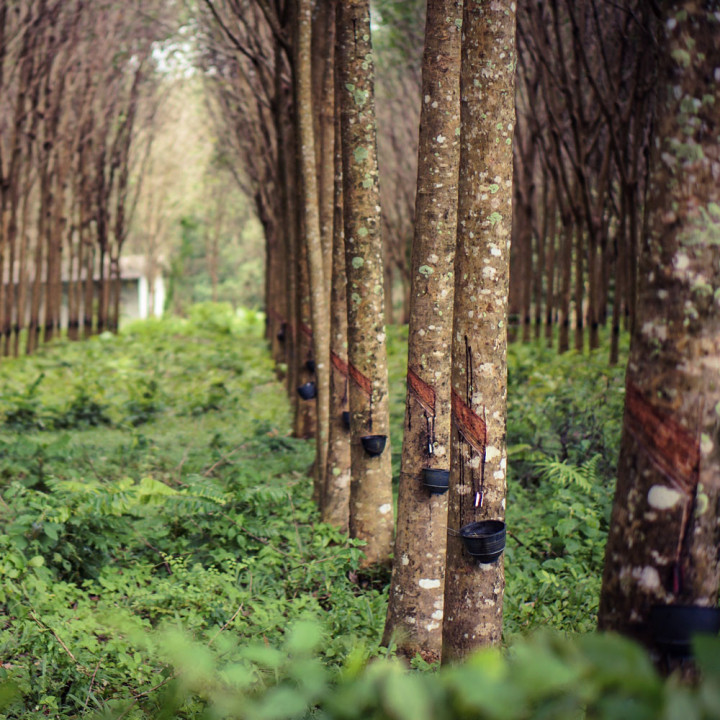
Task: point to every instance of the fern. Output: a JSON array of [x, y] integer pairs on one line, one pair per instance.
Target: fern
[[585, 477]]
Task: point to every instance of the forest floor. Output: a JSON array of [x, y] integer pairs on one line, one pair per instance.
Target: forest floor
[[157, 519]]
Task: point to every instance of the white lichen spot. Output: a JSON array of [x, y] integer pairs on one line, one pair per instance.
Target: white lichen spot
[[706, 444], [385, 509], [405, 559], [489, 272], [410, 620], [474, 462], [433, 259], [491, 453], [427, 99], [663, 498], [440, 139], [681, 261], [432, 626], [427, 584], [648, 578], [654, 330], [381, 337], [437, 615]]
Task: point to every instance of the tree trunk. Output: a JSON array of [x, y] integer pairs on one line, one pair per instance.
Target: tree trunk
[[551, 243], [579, 286], [414, 615], [565, 278], [539, 273], [336, 500], [474, 593], [23, 262], [619, 288], [305, 417], [33, 337], [371, 501], [664, 535], [312, 239], [324, 103]]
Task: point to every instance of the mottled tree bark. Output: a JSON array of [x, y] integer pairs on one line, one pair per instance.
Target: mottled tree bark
[[371, 502], [324, 99], [306, 410], [415, 606], [312, 240], [474, 593], [579, 335], [664, 536], [550, 222], [565, 275], [336, 501]]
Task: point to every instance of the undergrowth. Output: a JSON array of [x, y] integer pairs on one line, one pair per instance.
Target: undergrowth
[[161, 556], [564, 423], [178, 500]]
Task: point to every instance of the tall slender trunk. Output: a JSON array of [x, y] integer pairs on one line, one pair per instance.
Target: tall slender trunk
[[664, 540], [33, 336], [540, 271], [313, 240], [620, 281], [305, 416], [565, 277], [336, 502], [371, 502], [579, 286], [74, 241], [417, 586], [324, 105], [551, 242], [89, 290], [23, 262], [474, 594]]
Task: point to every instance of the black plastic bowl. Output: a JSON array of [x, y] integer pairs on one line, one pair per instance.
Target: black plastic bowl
[[307, 391], [673, 626], [345, 419], [484, 540], [435, 480], [373, 444]]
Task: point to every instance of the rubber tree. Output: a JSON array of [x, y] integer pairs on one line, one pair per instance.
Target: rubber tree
[[474, 592], [664, 536], [415, 605], [336, 501], [311, 213], [371, 502]]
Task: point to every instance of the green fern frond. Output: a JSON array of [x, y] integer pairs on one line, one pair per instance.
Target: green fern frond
[[585, 476]]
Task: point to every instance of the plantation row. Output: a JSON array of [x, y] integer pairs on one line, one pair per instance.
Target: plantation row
[[159, 540]]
